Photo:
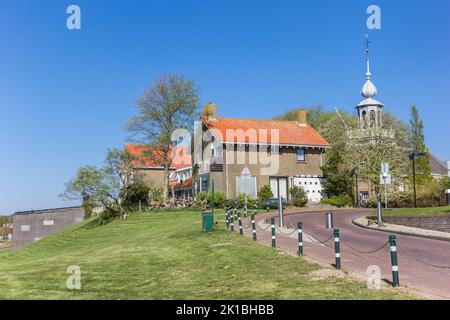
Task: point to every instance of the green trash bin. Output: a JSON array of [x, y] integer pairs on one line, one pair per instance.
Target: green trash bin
[[208, 221]]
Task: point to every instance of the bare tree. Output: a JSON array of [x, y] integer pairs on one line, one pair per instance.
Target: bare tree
[[169, 104]]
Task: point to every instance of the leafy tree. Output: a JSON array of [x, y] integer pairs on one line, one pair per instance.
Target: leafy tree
[[316, 115], [85, 186], [367, 149], [445, 184], [171, 103], [417, 141], [337, 171], [108, 186], [338, 176]]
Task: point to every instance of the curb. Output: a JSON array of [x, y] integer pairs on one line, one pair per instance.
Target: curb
[[411, 234]]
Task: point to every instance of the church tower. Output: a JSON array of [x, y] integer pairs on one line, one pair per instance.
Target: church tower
[[370, 111]]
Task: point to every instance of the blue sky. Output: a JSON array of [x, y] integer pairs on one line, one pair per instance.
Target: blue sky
[[65, 95]]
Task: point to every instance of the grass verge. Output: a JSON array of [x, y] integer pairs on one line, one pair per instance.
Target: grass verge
[[165, 255]]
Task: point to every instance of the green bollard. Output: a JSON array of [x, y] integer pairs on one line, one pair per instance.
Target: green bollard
[[254, 227], [241, 231], [394, 261], [227, 217], [300, 239], [272, 221], [337, 248], [231, 223]]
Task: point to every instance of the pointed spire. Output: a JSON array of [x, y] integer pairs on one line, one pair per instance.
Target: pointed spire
[[369, 90], [368, 74]]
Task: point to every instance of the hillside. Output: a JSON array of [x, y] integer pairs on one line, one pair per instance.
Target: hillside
[[165, 256]]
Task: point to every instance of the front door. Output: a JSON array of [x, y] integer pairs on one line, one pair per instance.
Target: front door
[[279, 187]]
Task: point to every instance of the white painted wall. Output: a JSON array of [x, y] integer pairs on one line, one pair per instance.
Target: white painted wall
[[312, 187]]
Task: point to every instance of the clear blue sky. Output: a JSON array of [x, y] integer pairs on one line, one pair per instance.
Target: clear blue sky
[[65, 95]]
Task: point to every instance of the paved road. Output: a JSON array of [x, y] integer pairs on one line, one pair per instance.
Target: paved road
[[415, 254]]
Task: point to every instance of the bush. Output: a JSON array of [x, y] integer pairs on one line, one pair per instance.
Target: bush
[[137, 191], [298, 196], [265, 193], [220, 200], [339, 201], [107, 215]]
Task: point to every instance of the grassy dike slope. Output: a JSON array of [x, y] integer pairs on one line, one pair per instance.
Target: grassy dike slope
[[166, 256]]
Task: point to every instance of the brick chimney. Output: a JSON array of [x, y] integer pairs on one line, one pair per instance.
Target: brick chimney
[[301, 117], [210, 111]]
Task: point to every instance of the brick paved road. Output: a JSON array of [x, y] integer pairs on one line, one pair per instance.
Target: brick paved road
[[415, 274]]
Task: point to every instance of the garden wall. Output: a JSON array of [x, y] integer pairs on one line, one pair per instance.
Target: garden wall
[[438, 223]]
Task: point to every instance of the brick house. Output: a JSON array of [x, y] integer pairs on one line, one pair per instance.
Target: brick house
[[243, 155], [149, 167]]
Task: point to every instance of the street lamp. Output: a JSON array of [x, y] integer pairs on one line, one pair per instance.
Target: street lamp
[[413, 156]]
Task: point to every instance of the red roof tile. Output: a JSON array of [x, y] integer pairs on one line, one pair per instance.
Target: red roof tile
[[254, 131], [179, 157]]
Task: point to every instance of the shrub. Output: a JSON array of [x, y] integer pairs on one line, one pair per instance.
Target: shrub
[[220, 200], [339, 201], [265, 193], [137, 191], [298, 196]]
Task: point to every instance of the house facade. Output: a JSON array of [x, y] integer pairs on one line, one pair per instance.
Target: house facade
[[243, 155]]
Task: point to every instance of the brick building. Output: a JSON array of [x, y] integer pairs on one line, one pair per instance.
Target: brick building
[[243, 155]]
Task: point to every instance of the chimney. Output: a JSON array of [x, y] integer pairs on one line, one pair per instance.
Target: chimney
[[301, 117], [210, 110]]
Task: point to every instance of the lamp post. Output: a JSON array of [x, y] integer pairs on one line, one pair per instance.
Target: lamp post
[[413, 156], [358, 204]]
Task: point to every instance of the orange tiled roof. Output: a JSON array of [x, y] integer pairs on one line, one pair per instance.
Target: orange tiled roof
[[176, 185], [290, 132], [178, 156]]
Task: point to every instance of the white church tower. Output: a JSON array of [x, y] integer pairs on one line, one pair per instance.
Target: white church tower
[[370, 111]]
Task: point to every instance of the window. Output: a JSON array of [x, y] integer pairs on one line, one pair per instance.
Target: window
[[48, 222], [25, 227], [300, 154]]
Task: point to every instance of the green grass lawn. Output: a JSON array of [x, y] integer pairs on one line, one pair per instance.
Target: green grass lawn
[[166, 256], [418, 211]]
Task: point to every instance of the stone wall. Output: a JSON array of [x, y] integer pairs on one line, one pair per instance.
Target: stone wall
[[438, 223]]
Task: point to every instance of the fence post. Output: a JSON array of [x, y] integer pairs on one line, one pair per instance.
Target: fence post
[[241, 232], [227, 213], [337, 248], [254, 227], [235, 210], [255, 207], [272, 222], [245, 210], [267, 204], [300, 238], [394, 261]]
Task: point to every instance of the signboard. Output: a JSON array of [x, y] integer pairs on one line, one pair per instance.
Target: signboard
[[385, 179]]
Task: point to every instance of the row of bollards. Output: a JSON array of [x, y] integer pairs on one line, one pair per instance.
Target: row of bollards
[[230, 218]]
